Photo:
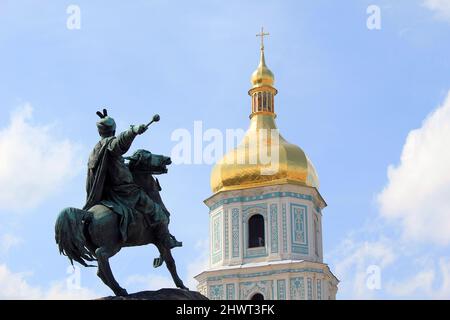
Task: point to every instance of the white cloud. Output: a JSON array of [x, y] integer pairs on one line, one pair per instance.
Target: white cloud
[[15, 286], [59, 291], [433, 282], [150, 282], [418, 190], [34, 161], [440, 7], [404, 273], [156, 282], [416, 203], [352, 259], [199, 264], [420, 283], [7, 241]]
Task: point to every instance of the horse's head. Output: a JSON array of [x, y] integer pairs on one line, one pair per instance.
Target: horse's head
[[143, 160]]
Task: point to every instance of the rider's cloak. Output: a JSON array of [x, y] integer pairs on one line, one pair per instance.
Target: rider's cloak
[[96, 175], [120, 196]]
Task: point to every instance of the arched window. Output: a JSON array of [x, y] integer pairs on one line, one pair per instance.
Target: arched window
[[264, 101], [259, 101], [257, 296], [316, 238], [272, 104], [256, 231]]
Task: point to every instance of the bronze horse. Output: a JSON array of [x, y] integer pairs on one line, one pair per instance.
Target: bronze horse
[[94, 235]]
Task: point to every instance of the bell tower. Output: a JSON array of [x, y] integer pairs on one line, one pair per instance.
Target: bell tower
[[265, 229]]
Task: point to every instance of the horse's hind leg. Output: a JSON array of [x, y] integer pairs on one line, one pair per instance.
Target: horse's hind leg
[[104, 270], [164, 250]]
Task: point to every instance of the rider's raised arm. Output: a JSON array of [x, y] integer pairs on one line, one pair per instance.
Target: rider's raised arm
[[122, 143]]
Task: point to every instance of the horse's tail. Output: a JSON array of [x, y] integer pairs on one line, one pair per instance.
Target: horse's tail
[[70, 236]]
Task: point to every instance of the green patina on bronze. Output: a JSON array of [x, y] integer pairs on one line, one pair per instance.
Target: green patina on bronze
[[123, 206]]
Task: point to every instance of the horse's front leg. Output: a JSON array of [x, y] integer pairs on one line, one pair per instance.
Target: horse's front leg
[[166, 255]]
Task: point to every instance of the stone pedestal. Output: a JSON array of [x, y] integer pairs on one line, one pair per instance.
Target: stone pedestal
[[162, 294]]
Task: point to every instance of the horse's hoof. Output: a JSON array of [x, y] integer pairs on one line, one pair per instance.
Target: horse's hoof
[[122, 293], [157, 262]]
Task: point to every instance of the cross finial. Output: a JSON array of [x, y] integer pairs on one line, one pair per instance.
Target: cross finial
[[262, 34]]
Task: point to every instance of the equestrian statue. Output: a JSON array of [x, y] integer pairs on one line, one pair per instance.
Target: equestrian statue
[[123, 206]]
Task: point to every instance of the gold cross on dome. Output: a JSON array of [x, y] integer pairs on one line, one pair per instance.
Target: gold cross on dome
[[262, 34]]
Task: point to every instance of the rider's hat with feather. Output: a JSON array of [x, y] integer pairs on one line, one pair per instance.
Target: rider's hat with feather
[[106, 125]]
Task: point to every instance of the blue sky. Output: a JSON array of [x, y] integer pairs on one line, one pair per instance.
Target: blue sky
[[349, 96]]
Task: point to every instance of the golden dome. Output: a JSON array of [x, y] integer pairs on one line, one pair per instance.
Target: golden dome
[[264, 157], [237, 171], [262, 76]]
